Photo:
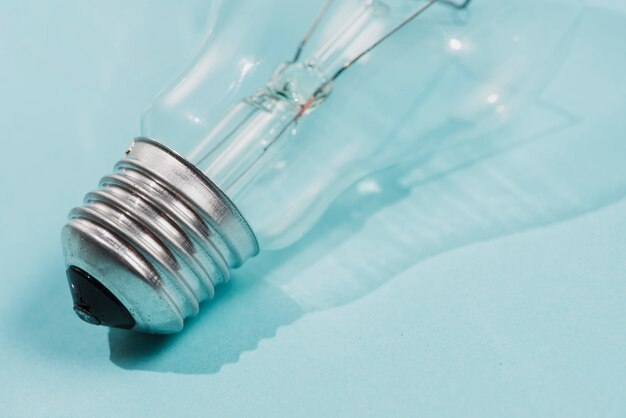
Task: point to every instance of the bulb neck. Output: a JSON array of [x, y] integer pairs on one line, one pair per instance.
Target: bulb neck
[[158, 235]]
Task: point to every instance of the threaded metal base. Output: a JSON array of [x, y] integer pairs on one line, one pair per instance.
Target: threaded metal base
[[159, 235]]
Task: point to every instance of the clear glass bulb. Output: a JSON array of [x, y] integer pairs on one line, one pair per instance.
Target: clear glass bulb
[[430, 85], [274, 126]]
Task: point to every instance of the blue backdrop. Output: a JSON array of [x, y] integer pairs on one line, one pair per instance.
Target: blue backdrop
[[494, 289]]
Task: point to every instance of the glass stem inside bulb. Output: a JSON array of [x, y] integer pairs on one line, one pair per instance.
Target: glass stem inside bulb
[[233, 149], [237, 149]]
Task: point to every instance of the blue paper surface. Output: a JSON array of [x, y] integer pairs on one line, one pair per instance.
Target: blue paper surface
[[495, 288]]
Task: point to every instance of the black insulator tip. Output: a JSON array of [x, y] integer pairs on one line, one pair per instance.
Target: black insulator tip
[[94, 303]]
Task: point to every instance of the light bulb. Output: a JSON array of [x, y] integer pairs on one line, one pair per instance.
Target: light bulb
[[273, 135]]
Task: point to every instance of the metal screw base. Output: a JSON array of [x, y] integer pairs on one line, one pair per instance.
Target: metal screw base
[[159, 235]]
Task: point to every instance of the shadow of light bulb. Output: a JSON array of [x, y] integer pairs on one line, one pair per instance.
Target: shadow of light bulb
[[561, 158]]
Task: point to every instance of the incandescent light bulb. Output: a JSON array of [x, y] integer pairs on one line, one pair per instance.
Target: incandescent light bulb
[[273, 135]]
